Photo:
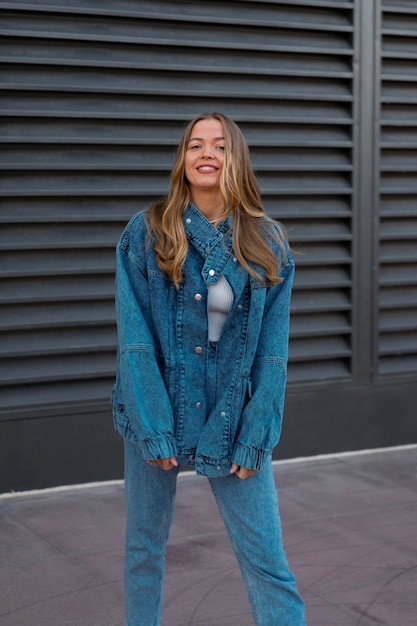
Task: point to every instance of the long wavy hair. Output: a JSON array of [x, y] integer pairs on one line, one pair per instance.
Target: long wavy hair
[[241, 198]]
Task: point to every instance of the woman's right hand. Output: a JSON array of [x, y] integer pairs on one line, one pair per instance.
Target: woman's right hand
[[165, 464]]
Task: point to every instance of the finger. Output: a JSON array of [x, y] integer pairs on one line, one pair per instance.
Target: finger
[[244, 473], [168, 464]]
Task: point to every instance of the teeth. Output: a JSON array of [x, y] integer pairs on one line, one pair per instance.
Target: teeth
[[207, 168]]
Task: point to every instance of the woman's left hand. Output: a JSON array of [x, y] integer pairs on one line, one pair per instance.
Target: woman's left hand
[[242, 472]]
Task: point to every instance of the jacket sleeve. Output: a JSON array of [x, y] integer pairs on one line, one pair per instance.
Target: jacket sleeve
[[261, 420], [141, 400]]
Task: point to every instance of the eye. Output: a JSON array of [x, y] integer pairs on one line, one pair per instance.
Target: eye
[[194, 146], [220, 148]]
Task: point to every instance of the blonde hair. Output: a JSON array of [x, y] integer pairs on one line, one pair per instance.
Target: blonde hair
[[241, 196]]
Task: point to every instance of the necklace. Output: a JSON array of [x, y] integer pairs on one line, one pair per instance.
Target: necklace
[[218, 219]]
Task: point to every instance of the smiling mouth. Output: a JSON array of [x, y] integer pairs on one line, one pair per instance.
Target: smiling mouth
[[207, 168]]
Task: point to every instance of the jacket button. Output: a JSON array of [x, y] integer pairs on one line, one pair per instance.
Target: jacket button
[[188, 220], [234, 259], [211, 272], [223, 414], [198, 349], [198, 296], [198, 405]]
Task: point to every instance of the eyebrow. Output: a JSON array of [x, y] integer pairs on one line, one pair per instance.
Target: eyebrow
[[201, 139]]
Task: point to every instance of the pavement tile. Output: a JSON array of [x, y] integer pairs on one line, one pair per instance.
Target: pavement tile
[[95, 605], [207, 597]]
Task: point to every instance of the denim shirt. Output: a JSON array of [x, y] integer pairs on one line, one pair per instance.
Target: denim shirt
[[160, 391]]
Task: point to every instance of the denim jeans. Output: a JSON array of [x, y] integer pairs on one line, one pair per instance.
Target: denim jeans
[[250, 512]]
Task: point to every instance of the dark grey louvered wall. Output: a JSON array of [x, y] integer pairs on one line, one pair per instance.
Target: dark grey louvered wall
[[95, 95], [398, 188]]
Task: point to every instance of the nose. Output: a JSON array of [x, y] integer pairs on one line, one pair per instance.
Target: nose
[[207, 152]]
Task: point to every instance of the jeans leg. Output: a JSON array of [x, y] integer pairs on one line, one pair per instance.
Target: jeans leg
[[250, 511], [150, 493]]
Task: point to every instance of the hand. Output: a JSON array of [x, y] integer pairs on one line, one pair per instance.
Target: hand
[[241, 472], [165, 464]]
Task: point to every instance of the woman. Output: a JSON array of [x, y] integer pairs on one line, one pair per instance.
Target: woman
[[202, 296]]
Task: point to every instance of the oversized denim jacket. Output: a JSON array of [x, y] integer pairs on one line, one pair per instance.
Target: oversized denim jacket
[[159, 394]]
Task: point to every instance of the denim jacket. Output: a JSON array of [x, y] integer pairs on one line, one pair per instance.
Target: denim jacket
[[159, 394]]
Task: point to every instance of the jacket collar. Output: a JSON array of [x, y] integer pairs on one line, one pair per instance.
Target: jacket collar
[[206, 239], [203, 235]]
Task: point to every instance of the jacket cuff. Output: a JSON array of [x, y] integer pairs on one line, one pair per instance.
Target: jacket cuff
[[160, 448], [251, 458]]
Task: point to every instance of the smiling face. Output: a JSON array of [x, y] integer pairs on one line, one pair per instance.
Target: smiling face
[[204, 156]]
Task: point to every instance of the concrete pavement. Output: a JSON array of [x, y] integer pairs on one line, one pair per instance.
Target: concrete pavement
[[350, 530]]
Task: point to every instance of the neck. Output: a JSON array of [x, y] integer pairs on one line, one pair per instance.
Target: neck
[[210, 204]]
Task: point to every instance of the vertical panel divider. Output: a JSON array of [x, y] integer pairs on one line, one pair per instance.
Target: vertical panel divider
[[366, 166]]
